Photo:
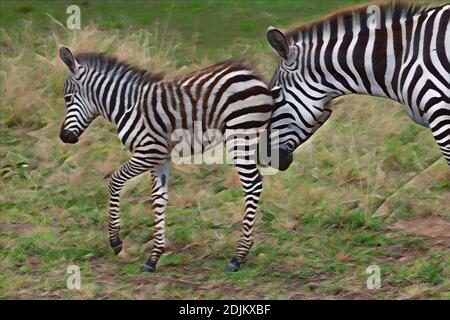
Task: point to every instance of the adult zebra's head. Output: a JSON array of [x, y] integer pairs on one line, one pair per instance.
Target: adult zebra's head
[[299, 111], [79, 111]]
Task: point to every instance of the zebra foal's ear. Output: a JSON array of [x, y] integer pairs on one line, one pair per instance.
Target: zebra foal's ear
[[278, 42], [69, 60]]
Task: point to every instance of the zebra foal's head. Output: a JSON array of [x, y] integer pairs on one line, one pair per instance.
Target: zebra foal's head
[[79, 111]]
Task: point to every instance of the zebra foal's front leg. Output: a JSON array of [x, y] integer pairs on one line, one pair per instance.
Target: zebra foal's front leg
[[130, 169], [160, 182]]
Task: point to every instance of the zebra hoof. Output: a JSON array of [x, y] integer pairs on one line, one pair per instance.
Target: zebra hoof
[[117, 249], [233, 266], [149, 266], [117, 246]]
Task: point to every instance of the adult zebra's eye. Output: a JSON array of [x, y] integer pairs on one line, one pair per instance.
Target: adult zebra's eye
[[68, 98]]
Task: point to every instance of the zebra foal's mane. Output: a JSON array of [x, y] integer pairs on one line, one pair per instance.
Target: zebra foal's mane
[[398, 11], [102, 62]]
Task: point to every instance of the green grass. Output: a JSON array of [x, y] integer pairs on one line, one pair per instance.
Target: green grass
[[315, 233], [211, 26]]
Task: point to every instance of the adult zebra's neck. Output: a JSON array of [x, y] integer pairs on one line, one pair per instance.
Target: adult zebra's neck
[[343, 63], [351, 53]]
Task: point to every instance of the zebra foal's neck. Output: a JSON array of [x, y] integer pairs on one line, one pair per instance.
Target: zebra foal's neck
[[114, 87]]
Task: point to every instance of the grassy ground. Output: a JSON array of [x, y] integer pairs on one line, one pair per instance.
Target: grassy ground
[[317, 231]]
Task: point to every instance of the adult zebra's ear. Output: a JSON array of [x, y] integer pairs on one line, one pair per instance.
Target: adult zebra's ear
[[69, 60], [278, 42]]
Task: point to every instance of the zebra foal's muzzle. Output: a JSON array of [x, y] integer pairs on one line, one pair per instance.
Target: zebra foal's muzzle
[[67, 136]]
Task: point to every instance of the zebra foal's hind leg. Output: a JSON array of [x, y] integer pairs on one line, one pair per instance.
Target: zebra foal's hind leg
[[130, 169], [439, 122], [160, 182], [252, 185], [241, 150]]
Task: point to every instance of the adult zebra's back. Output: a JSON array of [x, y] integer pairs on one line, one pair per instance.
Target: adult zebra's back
[[396, 51], [227, 101]]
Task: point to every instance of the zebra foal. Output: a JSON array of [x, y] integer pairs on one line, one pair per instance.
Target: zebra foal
[[148, 109]]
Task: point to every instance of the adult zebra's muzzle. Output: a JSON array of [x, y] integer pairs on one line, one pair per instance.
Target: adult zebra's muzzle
[[68, 136], [279, 159], [273, 155], [285, 159]]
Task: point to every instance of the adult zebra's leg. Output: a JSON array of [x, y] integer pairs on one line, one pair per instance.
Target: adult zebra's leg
[[439, 122], [130, 169], [160, 182], [245, 161]]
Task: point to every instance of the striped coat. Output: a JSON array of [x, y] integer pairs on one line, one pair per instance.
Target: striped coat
[[395, 51], [155, 115]]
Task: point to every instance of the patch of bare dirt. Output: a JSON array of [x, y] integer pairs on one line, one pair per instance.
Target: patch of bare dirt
[[302, 288], [151, 286], [435, 229], [364, 294]]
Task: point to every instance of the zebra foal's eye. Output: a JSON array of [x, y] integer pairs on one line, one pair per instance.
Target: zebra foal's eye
[[68, 98]]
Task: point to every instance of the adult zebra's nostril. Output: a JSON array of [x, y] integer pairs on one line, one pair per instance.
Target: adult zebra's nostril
[[286, 158], [68, 136]]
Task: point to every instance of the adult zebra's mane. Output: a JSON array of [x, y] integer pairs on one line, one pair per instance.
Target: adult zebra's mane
[[395, 10], [102, 62]]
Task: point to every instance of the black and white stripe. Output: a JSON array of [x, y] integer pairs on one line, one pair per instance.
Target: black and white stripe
[[396, 51], [147, 109]]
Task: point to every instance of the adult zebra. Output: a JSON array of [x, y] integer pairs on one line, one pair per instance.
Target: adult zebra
[[397, 51], [148, 109]]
